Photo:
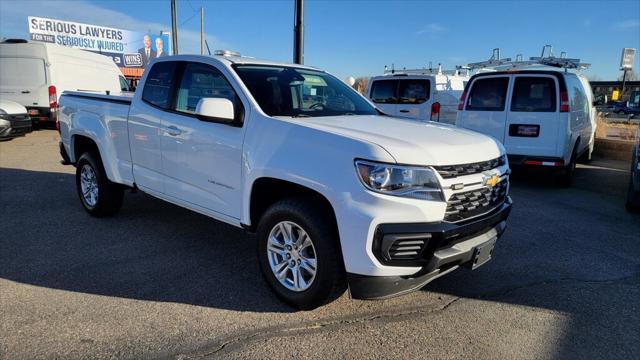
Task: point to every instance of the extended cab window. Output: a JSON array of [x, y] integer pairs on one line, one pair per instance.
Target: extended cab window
[[202, 81], [157, 88], [488, 94], [534, 94], [414, 91], [384, 91]]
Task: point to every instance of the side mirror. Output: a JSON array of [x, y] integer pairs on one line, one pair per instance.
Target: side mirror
[[595, 103], [215, 109]]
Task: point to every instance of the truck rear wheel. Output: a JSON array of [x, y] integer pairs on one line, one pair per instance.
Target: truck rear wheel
[[299, 254], [99, 196]]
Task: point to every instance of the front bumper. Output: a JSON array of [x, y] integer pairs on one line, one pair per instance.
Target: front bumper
[[451, 246], [14, 126]]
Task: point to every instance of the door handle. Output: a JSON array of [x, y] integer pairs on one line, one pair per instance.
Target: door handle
[[404, 111], [173, 131], [26, 92]]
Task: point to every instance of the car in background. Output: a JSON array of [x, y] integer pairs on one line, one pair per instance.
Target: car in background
[[14, 120], [627, 109], [633, 194], [33, 74], [544, 116], [418, 94]]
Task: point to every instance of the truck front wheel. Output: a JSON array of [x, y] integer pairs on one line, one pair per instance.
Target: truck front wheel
[[99, 196], [299, 254]]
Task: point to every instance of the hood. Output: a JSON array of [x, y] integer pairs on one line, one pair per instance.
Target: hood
[[12, 107], [412, 142]]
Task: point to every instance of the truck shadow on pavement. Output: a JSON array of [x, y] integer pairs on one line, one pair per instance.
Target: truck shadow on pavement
[[574, 251], [150, 250]]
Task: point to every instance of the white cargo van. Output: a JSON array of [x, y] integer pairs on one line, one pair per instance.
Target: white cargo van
[[422, 94], [33, 74], [544, 115]]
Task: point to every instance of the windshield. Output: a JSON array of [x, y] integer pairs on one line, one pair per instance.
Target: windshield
[[289, 91]]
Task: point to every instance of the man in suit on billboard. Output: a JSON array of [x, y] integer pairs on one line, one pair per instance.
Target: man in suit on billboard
[[160, 48], [146, 53]]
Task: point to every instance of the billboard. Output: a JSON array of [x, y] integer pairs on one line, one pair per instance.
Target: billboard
[[126, 48], [628, 56]]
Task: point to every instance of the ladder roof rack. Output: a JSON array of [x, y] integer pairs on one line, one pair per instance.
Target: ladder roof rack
[[427, 71], [545, 59]]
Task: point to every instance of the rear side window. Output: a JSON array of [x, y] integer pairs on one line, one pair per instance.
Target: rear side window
[[202, 81], [384, 91], [414, 91], [488, 94], [157, 88], [534, 94], [25, 72]]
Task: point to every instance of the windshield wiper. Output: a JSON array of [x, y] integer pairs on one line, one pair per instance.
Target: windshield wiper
[[300, 115]]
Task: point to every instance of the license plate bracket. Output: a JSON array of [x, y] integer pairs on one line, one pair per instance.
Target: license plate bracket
[[482, 254]]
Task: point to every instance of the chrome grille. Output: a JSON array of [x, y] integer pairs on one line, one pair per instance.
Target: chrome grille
[[451, 171], [468, 204]]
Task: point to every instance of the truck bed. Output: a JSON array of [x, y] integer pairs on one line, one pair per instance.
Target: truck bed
[[122, 97]]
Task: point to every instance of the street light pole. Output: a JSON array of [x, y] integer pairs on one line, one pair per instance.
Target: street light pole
[[174, 27], [298, 33], [202, 31]]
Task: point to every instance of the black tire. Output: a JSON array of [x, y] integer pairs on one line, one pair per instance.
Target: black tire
[[109, 194], [564, 178], [330, 281], [633, 199]]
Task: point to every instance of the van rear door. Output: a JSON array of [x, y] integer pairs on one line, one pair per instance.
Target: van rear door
[[384, 93], [485, 109], [413, 99], [533, 118], [23, 80]]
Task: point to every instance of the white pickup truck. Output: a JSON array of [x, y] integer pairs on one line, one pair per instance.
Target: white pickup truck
[[337, 194]]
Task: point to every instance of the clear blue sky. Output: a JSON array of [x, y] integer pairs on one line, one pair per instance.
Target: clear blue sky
[[358, 38]]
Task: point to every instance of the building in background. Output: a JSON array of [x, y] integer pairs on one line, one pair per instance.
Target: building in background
[[606, 89]]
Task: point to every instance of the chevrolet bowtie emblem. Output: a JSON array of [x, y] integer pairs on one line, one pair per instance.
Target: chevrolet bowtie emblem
[[491, 181]]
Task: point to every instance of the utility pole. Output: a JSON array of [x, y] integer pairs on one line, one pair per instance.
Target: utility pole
[[202, 31], [174, 27], [624, 80], [298, 33]]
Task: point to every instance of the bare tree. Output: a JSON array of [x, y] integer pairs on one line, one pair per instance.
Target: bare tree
[[631, 76], [361, 84]]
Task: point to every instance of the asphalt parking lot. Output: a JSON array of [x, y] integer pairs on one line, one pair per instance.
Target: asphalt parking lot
[[159, 281]]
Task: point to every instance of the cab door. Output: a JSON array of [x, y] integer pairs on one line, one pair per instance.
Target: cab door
[[384, 93], [485, 107], [533, 119], [146, 118], [202, 158]]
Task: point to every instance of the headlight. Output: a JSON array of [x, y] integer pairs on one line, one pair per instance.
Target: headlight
[[406, 181]]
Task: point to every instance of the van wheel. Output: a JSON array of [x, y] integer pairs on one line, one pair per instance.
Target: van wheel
[[99, 196], [564, 178], [586, 157], [299, 255], [633, 198]]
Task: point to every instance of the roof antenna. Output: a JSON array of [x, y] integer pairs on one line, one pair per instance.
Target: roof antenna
[[393, 68], [430, 66], [209, 50]]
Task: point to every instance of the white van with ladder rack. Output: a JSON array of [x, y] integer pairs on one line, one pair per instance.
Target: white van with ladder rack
[[419, 94], [540, 109]]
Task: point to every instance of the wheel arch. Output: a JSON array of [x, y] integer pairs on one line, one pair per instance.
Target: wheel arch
[[266, 191]]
